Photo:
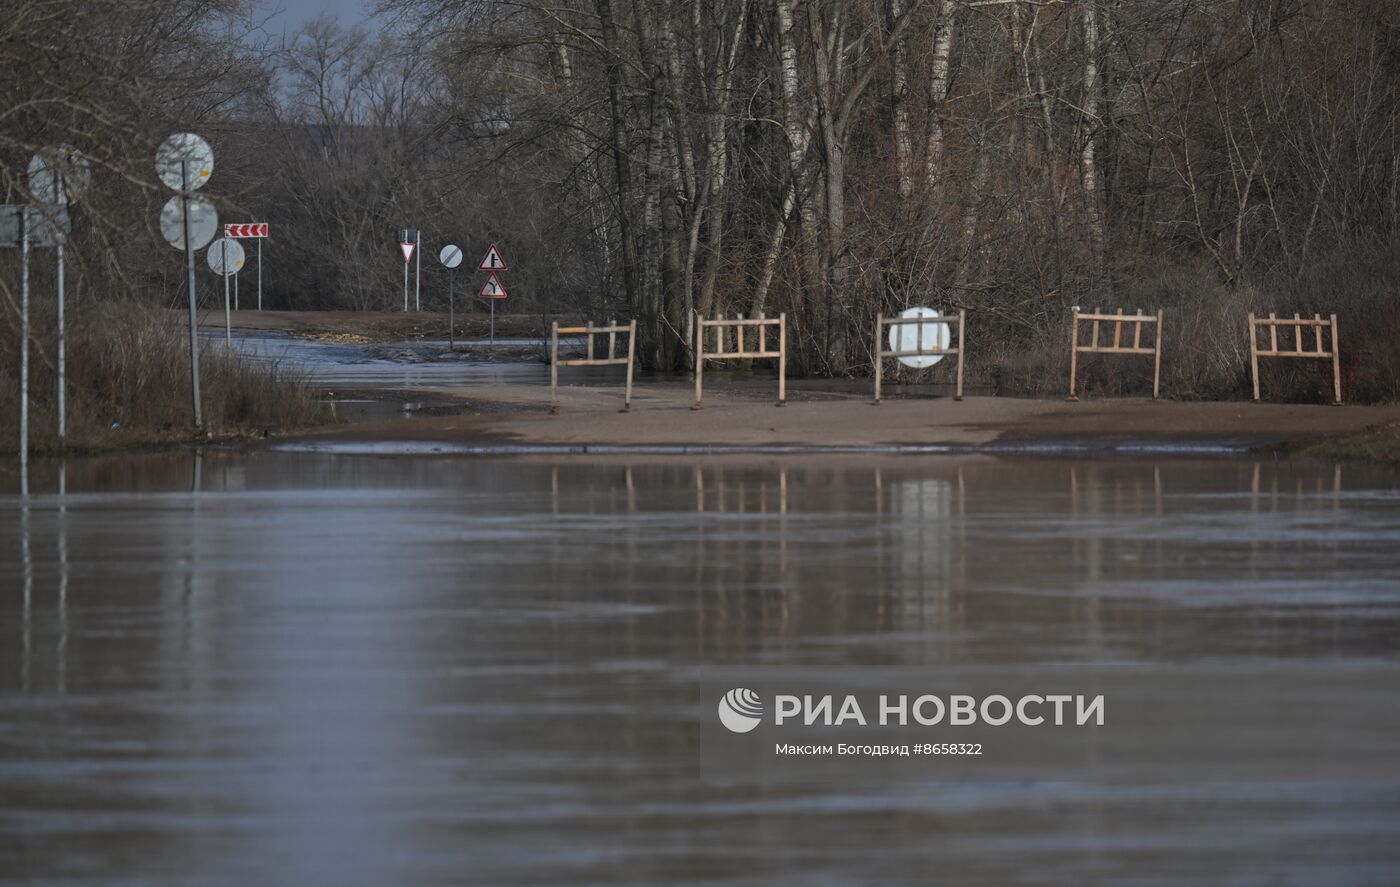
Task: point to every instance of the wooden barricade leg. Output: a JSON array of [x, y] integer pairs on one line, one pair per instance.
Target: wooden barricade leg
[[1254, 356], [879, 361], [1157, 360], [962, 320], [699, 359], [1073, 353], [782, 359], [631, 359], [589, 333], [554, 367], [1336, 365]]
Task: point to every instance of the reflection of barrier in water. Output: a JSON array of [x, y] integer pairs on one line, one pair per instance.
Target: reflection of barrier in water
[[738, 324], [922, 348], [1095, 347], [1272, 323], [589, 331]]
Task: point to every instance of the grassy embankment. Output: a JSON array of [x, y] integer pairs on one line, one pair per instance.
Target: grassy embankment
[[1377, 445], [128, 385]]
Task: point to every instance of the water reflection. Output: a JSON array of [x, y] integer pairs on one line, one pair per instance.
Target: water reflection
[[400, 669]]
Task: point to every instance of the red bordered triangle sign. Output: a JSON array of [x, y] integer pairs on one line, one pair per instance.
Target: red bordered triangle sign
[[407, 249], [493, 288], [492, 261]]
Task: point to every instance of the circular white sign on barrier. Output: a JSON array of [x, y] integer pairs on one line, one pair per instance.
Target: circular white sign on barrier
[[204, 222], [59, 168], [234, 257], [177, 151], [451, 256], [906, 337]]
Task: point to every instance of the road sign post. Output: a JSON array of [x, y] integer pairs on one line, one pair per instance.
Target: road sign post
[[184, 162], [493, 290], [223, 269], [57, 175], [189, 281], [62, 355], [451, 257], [408, 245], [248, 231], [24, 350], [417, 271], [226, 258]]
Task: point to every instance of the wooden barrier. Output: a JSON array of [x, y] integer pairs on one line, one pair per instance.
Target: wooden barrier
[[932, 350], [739, 324], [1298, 324], [589, 330], [1137, 320]]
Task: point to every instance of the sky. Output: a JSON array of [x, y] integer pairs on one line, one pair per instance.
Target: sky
[[292, 13]]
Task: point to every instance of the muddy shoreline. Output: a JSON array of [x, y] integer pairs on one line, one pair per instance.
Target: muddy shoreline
[[742, 416]]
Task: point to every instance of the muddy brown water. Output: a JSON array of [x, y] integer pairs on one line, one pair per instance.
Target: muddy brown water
[[261, 667]]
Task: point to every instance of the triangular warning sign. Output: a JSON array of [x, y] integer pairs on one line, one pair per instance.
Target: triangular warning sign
[[492, 261], [407, 249], [493, 288]]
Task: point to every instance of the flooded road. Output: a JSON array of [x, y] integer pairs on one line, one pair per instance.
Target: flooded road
[[422, 365], [261, 667]]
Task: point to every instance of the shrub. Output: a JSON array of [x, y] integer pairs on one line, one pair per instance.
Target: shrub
[[128, 382]]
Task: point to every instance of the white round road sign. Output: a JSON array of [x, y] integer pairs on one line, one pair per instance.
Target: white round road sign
[[204, 222], [906, 337], [451, 256], [178, 149], [59, 167], [235, 256]]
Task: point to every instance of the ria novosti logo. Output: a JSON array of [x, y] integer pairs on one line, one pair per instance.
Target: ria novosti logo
[[740, 710]]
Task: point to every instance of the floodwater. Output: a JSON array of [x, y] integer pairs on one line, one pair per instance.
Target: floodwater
[[265, 667], [420, 365]]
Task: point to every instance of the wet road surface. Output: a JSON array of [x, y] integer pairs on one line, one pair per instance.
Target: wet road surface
[[262, 667]]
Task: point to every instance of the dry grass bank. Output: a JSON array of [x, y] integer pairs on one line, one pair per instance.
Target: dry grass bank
[[128, 383]]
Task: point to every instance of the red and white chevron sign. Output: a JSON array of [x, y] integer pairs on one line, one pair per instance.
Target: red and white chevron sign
[[254, 229]]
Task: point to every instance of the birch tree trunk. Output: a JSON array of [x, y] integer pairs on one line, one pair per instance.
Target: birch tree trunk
[[796, 129], [1088, 165], [938, 93], [899, 100]]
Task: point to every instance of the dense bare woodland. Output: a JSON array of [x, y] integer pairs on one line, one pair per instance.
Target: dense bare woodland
[[826, 159]]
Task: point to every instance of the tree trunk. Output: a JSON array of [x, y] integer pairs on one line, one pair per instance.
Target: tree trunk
[[621, 160], [938, 93], [899, 101], [1088, 166]]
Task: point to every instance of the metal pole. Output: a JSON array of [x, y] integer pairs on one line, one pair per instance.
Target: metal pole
[[61, 194], [189, 282], [24, 350], [451, 313], [417, 271], [493, 321], [62, 356], [260, 240], [228, 326], [235, 292], [405, 284]]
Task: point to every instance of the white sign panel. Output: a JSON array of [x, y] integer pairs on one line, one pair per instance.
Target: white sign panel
[[231, 264], [177, 151], [920, 337], [204, 222]]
